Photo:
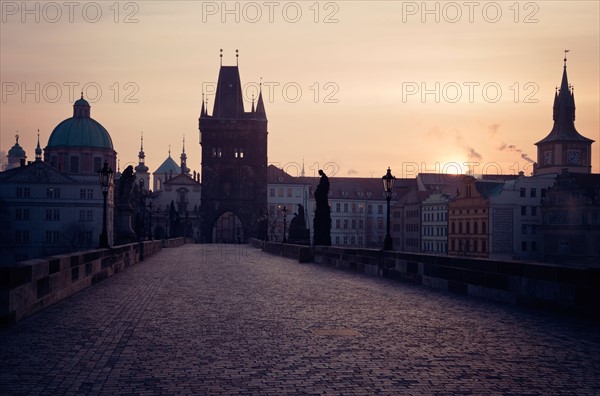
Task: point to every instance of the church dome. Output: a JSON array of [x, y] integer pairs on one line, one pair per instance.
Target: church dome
[[80, 130], [17, 151]]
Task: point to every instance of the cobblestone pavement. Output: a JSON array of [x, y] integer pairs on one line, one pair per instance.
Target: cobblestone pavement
[[218, 319]]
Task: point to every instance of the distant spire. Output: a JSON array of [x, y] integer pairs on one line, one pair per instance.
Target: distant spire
[[260, 106], [81, 94], [203, 109], [253, 102], [221, 56], [38, 149], [184, 168], [141, 167], [237, 57], [302, 171], [564, 113], [169, 150]]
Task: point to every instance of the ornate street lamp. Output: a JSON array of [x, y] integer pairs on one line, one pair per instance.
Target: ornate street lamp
[[388, 188], [105, 174], [284, 211]]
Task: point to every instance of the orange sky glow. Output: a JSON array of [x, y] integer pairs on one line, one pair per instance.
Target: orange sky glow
[[350, 86]]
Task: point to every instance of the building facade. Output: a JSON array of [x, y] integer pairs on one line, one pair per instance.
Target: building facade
[[434, 219], [571, 220], [56, 205]]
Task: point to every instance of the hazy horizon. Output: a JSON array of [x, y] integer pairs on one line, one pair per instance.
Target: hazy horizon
[[353, 87]]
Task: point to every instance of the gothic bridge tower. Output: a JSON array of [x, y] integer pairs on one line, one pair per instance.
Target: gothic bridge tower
[[564, 147], [234, 163]]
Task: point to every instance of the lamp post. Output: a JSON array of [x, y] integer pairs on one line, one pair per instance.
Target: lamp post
[[150, 207], [105, 174], [388, 188], [284, 211]]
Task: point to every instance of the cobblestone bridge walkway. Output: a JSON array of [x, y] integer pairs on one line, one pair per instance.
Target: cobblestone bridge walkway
[[232, 320]]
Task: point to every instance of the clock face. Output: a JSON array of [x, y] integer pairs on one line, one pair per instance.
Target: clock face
[[573, 157], [548, 157]]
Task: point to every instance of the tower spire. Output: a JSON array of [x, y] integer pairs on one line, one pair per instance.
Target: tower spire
[[260, 105], [38, 149], [141, 167], [553, 153], [237, 57], [184, 168], [221, 56]]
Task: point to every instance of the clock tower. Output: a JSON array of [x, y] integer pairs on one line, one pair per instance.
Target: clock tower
[[564, 147], [234, 164]]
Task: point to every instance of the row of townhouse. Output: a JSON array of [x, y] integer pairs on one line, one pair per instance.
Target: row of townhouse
[[498, 216]]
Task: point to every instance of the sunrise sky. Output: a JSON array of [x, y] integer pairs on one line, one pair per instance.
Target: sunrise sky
[[343, 81]]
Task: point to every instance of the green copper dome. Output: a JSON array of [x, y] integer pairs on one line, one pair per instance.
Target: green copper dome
[[80, 130]]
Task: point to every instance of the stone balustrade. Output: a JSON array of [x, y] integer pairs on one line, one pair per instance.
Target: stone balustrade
[[30, 286], [563, 288]]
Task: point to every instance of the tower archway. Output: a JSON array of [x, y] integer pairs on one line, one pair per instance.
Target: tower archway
[[228, 228]]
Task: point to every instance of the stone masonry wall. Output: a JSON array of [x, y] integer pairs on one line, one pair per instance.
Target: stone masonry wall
[[30, 286]]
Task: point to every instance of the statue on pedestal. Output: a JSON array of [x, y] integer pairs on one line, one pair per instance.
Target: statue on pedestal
[[322, 220], [124, 209], [297, 232]]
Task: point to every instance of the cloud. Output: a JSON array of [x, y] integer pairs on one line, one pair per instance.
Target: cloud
[[472, 154], [493, 129]]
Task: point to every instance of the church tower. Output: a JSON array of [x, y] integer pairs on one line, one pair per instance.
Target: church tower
[[141, 170], [234, 163], [564, 147]]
